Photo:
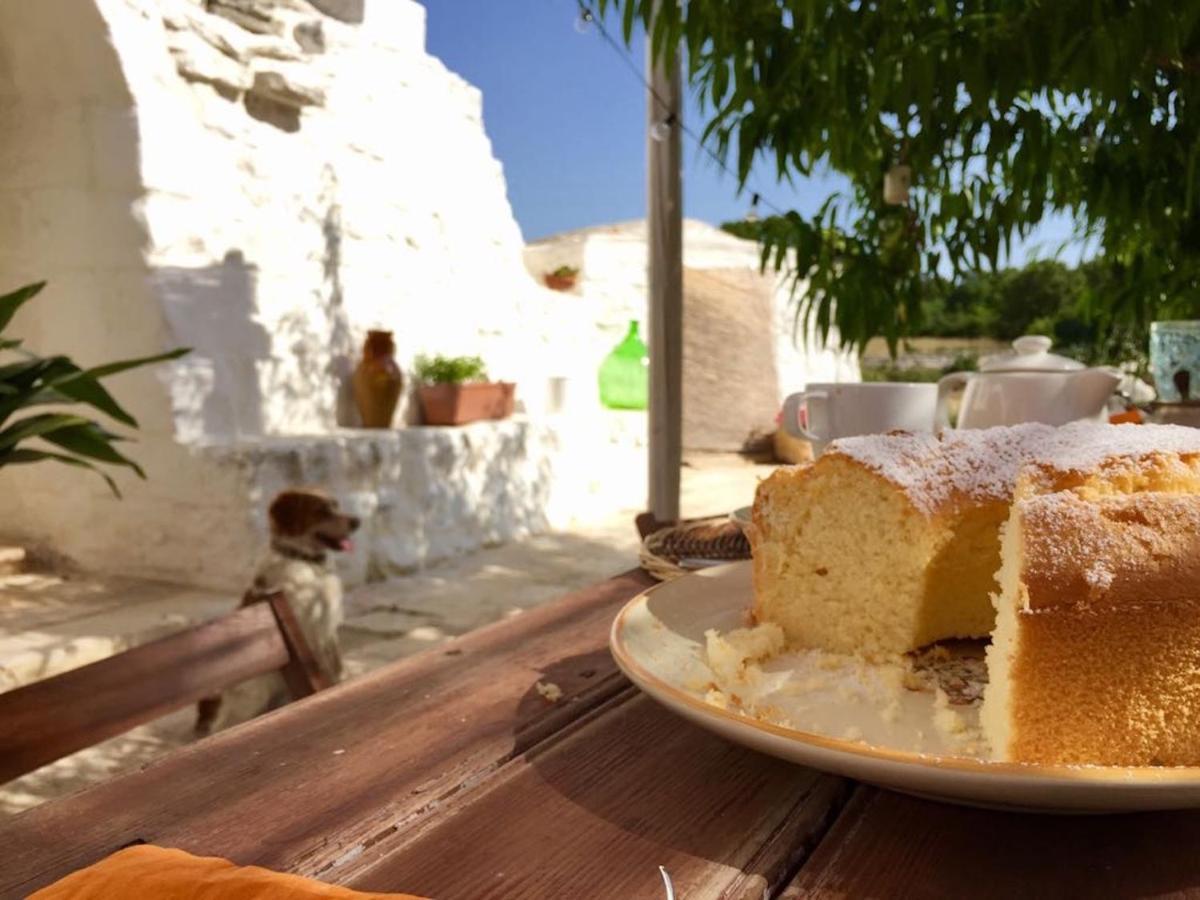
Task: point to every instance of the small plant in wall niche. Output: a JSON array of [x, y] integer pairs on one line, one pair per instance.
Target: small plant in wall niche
[[450, 369], [28, 380], [454, 390], [561, 279]]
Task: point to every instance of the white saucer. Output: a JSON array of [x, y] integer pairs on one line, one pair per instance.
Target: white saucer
[[658, 641]]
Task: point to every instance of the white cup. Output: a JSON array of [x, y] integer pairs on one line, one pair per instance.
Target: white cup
[[825, 412]]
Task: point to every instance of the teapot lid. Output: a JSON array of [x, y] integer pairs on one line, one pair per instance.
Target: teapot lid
[[1031, 353]]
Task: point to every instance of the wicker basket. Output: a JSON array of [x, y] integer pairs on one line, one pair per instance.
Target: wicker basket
[[707, 539]]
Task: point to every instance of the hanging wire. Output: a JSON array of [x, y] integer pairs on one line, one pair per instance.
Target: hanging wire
[[588, 19]]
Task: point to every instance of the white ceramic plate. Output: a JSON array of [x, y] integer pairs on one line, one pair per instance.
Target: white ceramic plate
[[658, 639]]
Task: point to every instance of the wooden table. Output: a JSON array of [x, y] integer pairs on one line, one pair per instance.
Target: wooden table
[[448, 774]]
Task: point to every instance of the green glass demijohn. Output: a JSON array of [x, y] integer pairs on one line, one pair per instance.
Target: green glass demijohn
[[625, 373]]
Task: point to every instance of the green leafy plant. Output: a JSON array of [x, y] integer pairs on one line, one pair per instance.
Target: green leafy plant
[[962, 362], [449, 369], [1003, 113], [1044, 297], [29, 381]]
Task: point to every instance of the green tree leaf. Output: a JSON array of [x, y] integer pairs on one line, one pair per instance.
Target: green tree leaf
[[1006, 113]]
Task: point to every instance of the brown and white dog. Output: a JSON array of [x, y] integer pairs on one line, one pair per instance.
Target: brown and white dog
[[306, 526]]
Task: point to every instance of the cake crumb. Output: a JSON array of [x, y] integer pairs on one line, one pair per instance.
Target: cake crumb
[[945, 718], [729, 655], [716, 697], [891, 712], [549, 690], [916, 681]]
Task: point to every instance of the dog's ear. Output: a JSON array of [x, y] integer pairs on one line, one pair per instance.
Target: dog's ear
[[292, 512]]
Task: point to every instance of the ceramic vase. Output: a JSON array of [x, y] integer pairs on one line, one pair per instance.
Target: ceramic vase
[[377, 381]]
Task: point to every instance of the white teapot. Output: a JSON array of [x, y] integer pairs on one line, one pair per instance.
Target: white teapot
[[1030, 385]]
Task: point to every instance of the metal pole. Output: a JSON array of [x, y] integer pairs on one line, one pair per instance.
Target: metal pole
[[664, 227]]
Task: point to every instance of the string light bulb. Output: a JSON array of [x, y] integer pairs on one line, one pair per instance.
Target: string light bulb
[[752, 213], [583, 24], [661, 130]]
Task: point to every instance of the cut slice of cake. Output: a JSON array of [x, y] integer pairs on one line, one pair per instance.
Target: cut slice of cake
[[846, 560], [891, 542], [1096, 653]]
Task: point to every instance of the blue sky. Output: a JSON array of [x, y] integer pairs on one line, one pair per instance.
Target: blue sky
[[567, 119]]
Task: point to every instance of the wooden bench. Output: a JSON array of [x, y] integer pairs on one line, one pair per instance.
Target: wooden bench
[[53, 718]]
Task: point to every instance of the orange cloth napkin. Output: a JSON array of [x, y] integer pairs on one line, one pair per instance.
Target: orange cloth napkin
[[158, 873]]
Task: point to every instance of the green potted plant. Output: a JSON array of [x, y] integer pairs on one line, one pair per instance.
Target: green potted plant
[[561, 279], [454, 390], [28, 380]]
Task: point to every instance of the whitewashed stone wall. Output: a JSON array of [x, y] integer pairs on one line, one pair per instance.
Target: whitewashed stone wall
[[428, 493], [263, 182], [329, 192]]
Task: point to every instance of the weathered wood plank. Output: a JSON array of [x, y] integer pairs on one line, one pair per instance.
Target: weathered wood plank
[[302, 674], [596, 812], [50, 719], [314, 785], [889, 845]]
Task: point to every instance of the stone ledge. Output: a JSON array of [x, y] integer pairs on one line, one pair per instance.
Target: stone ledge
[[424, 494], [288, 87], [256, 16], [430, 493], [349, 11], [199, 60]]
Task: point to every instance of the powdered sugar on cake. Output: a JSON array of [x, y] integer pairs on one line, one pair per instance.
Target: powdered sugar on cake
[[1079, 551], [1099, 577], [983, 464]]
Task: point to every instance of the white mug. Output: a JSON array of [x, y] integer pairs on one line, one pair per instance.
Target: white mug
[[833, 411]]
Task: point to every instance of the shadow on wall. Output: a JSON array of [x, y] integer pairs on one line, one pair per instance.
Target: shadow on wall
[[209, 387], [729, 362], [520, 497], [342, 361], [504, 480]]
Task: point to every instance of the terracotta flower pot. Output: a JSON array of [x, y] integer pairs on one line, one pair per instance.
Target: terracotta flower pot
[[458, 404], [377, 381], [559, 282]]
